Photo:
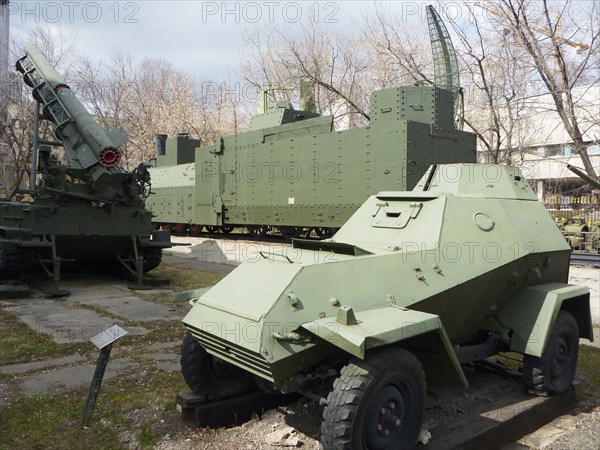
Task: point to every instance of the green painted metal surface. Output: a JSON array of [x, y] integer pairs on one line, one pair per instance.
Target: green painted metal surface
[[292, 169], [446, 265], [532, 311], [86, 208]]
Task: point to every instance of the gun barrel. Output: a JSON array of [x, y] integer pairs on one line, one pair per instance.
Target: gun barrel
[[581, 174], [61, 106]]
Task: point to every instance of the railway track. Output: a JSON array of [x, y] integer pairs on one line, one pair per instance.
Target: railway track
[[586, 259]]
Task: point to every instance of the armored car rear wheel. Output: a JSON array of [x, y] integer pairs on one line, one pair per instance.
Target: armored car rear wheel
[[209, 376], [376, 403], [555, 369]]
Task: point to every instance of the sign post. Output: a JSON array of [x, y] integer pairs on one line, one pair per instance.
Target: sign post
[[104, 341]]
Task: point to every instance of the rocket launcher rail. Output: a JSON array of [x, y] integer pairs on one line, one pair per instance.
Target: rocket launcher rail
[[88, 147], [92, 172]]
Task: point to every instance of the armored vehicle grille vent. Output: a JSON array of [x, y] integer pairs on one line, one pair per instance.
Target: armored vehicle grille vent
[[233, 353]]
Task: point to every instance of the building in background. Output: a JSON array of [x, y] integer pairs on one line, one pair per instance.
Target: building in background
[[547, 148], [542, 149]]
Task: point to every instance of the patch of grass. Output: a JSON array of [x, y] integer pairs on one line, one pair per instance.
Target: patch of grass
[[104, 312], [53, 421], [512, 360], [156, 387], [19, 343], [589, 364], [172, 331], [148, 437], [185, 278]]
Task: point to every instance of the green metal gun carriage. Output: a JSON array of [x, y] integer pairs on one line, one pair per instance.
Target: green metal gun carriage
[[87, 208]]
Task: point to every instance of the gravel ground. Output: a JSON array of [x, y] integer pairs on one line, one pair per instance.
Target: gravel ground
[[590, 277], [297, 425], [583, 435]]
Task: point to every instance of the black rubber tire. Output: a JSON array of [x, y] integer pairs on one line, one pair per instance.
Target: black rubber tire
[[208, 376], [11, 260], [555, 369], [353, 412], [152, 258]]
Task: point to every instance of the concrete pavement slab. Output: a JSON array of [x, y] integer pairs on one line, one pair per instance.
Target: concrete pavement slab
[[71, 377], [66, 324], [38, 365], [133, 308]]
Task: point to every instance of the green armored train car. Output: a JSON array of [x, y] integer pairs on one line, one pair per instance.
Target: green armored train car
[[293, 172]]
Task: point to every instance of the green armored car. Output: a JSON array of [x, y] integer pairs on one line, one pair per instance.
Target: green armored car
[[415, 284]]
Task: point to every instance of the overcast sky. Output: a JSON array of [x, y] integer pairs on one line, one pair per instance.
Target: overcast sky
[[201, 38]]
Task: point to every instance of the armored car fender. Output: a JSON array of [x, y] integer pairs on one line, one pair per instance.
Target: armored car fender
[[530, 314], [421, 332]]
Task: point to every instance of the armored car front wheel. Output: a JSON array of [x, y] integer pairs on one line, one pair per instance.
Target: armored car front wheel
[[555, 369], [376, 403], [209, 376]]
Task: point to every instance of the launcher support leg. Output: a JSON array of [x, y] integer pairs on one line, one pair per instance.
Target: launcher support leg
[[54, 274]]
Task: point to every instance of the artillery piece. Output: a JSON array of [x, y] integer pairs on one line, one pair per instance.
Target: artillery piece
[[466, 265], [88, 208]]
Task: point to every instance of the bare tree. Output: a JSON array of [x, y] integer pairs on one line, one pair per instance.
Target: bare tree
[[496, 83], [507, 49], [143, 98], [335, 63], [398, 53], [18, 135], [543, 29]]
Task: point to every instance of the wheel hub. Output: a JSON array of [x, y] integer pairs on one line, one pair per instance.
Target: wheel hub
[[385, 419], [560, 359]]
